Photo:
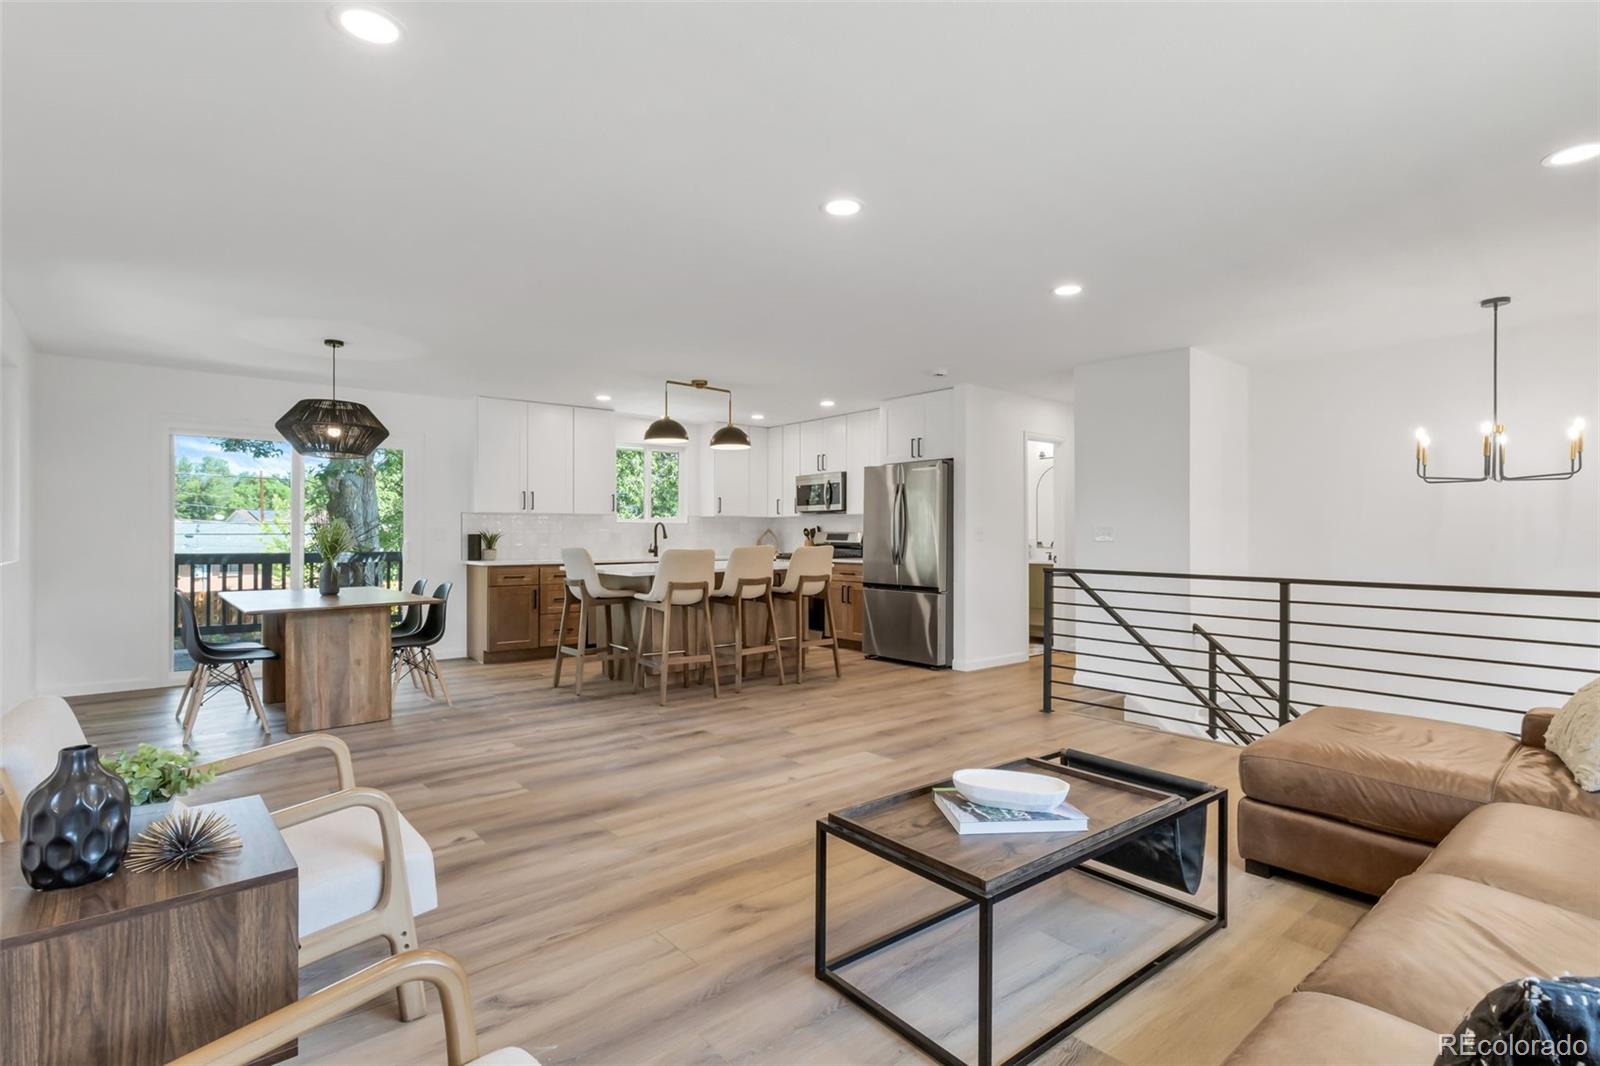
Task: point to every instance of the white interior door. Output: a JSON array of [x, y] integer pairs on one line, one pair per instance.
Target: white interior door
[[500, 477], [549, 458], [594, 461]]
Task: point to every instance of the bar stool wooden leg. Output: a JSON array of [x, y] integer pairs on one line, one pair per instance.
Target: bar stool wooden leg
[[583, 642], [666, 648], [638, 649], [832, 634], [710, 644], [799, 638], [772, 624], [738, 644], [561, 634]]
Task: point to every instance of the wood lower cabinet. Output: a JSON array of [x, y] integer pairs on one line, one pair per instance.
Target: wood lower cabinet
[[844, 594], [512, 612]]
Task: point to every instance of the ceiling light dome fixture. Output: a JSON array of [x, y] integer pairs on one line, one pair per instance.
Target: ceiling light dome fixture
[[1067, 288], [367, 24], [668, 430], [1577, 153], [842, 207], [1494, 432], [333, 428]]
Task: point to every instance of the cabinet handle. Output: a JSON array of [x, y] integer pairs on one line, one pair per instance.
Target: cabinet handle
[[524, 499], [613, 502], [719, 504], [533, 500]]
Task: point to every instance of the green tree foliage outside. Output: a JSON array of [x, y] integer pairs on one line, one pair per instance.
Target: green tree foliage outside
[[647, 483], [209, 489]]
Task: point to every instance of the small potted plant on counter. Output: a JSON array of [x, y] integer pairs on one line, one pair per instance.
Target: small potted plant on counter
[[332, 539], [488, 543]]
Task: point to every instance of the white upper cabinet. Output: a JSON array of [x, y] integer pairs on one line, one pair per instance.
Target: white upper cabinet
[[823, 444], [758, 502], [500, 479], [794, 462], [594, 461], [780, 478], [919, 427], [544, 457], [864, 444], [549, 458]]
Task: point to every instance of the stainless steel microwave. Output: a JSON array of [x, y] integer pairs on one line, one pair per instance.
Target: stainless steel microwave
[[819, 492]]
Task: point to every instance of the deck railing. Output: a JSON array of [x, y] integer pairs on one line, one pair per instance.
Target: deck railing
[[1236, 657], [204, 575]]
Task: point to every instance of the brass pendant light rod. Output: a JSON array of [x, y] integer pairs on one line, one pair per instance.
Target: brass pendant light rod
[[1494, 431], [667, 429]]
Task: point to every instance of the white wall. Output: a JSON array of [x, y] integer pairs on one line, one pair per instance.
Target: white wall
[[16, 512], [991, 486], [1331, 462], [103, 576]]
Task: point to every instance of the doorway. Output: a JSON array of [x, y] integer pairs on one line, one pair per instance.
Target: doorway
[[1042, 532]]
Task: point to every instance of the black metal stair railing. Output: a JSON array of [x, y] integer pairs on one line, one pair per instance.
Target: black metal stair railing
[[1238, 656]]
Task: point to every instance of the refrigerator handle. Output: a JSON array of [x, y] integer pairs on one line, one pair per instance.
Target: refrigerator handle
[[894, 527]]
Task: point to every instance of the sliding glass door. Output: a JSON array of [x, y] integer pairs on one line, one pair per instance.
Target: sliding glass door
[[242, 513]]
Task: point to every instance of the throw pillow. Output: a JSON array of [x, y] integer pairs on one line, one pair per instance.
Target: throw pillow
[[1574, 736], [1531, 1022]]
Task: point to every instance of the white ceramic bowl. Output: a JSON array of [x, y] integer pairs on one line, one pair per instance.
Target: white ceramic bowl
[[1011, 788]]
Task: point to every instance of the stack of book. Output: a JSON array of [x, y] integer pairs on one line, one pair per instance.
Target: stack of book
[[968, 817]]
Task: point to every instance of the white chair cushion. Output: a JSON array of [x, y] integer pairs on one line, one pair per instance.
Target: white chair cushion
[[341, 867], [32, 735], [505, 1056]]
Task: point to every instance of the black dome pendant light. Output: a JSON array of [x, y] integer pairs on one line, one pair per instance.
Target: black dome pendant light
[[333, 428]]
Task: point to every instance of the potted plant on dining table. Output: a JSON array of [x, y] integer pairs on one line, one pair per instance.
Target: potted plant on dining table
[[331, 539]]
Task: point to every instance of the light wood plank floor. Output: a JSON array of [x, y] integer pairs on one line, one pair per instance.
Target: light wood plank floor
[[628, 883]]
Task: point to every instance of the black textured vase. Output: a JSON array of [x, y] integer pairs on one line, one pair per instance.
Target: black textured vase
[[75, 824], [328, 580]]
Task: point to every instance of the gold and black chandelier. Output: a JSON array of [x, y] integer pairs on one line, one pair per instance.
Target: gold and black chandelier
[[668, 430], [1494, 433], [332, 428]]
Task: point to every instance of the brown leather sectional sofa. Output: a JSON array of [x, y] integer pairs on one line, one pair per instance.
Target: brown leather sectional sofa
[[1485, 850]]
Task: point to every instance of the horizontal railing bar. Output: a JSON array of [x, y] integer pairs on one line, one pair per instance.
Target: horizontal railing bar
[[1402, 696], [1425, 677], [1587, 594], [1144, 714], [1070, 587], [1377, 629], [1272, 618]]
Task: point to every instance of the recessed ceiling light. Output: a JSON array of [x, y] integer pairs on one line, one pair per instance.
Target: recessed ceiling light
[[757, 416], [844, 207], [602, 397], [367, 24], [1067, 289], [825, 403], [1578, 153]]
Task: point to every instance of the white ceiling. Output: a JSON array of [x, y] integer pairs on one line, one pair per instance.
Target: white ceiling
[[556, 200]]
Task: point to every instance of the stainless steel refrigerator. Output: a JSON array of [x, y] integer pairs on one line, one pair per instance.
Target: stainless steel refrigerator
[[905, 549]]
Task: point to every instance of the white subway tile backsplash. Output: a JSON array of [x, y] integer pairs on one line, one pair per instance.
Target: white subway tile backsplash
[[540, 537]]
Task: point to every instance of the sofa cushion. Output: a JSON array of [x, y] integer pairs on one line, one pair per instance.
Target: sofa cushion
[[1413, 777], [1435, 944], [1313, 1029], [1550, 856], [1537, 777], [1574, 735], [340, 856]]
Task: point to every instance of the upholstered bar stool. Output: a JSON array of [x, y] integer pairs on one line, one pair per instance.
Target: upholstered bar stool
[[595, 602], [683, 580], [808, 577], [746, 580]]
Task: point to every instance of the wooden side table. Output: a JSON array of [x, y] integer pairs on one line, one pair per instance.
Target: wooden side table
[[143, 967]]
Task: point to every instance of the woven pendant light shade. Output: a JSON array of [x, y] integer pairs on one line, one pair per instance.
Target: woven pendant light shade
[[332, 428]]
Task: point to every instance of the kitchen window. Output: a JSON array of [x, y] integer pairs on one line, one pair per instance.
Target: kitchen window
[[648, 484]]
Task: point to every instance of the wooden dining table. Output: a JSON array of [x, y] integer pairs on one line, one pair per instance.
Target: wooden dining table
[[332, 667]]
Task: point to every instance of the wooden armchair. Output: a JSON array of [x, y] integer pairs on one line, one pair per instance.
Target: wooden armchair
[[365, 872], [410, 969]]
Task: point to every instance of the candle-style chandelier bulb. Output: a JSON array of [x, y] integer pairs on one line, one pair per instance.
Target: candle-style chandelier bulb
[[1494, 432]]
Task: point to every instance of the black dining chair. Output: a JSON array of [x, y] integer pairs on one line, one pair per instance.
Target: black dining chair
[[217, 666], [413, 653], [411, 617]]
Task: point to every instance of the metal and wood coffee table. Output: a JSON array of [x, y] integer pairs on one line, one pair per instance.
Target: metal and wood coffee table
[[1128, 807]]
